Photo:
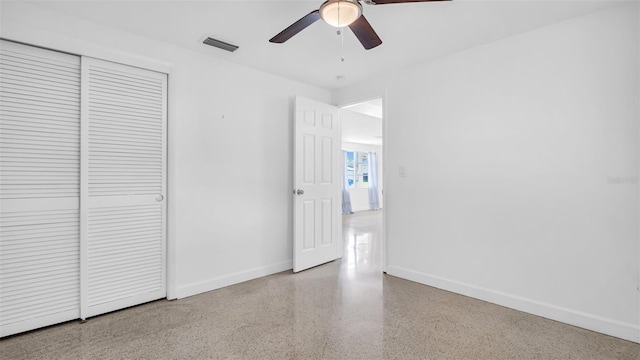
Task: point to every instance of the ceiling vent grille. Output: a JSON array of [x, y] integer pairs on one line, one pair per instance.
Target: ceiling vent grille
[[220, 44]]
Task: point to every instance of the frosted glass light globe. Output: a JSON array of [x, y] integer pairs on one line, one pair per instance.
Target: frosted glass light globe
[[340, 13]]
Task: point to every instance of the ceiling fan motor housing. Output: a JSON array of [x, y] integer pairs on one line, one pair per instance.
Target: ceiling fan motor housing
[[340, 13]]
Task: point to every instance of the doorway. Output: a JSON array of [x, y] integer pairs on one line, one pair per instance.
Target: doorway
[[363, 182]]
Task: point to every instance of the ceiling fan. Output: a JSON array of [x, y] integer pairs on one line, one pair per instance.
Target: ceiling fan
[[340, 13]]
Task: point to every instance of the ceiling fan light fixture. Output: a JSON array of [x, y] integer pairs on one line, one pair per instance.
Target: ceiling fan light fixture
[[340, 13]]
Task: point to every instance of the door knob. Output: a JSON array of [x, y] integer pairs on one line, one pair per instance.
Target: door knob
[[300, 192], [159, 198]]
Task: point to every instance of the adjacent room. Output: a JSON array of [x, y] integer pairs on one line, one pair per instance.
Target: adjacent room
[[319, 180], [363, 184]]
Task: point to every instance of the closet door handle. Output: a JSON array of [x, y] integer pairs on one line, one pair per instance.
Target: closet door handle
[[159, 198]]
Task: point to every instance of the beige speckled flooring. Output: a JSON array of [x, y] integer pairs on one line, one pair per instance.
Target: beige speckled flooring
[[342, 310]]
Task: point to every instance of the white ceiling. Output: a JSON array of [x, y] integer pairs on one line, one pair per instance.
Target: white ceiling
[[371, 108], [411, 33], [362, 123], [361, 129]]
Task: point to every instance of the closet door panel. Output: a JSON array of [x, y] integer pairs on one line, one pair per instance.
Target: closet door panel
[[39, 187], [124, 147]]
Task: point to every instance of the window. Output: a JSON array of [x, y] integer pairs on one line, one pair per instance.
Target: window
[[357, 169]]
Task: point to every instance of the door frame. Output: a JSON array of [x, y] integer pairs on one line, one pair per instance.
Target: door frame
[[385, 117]]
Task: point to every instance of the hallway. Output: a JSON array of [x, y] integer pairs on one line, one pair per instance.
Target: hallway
[[346, 309], [362, 234]]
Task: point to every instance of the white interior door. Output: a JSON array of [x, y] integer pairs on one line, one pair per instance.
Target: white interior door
[[317, 224], [39, 187], [123, 212]]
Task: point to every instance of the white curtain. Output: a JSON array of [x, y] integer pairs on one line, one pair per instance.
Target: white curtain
[[374, 199], [346, 196]]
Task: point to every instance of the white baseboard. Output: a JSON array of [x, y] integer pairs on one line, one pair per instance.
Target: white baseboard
[[626, 331], [232, 279]]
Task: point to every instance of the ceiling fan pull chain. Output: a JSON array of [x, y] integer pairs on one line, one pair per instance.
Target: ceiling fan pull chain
[[341, 33]]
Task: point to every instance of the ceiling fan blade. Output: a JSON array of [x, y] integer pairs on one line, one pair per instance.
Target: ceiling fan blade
[[365, 33], [383, 2], [296, 27]]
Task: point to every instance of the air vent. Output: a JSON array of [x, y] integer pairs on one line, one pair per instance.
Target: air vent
[[220, 44]]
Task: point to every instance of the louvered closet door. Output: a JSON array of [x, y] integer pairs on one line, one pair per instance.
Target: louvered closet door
[[123, 189], [39, 187]]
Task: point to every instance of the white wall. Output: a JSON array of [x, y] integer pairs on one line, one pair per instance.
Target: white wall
[[522, 171], [360, 196], [230, 148]]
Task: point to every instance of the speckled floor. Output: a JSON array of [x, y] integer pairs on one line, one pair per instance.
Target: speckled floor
[[342, 310]]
